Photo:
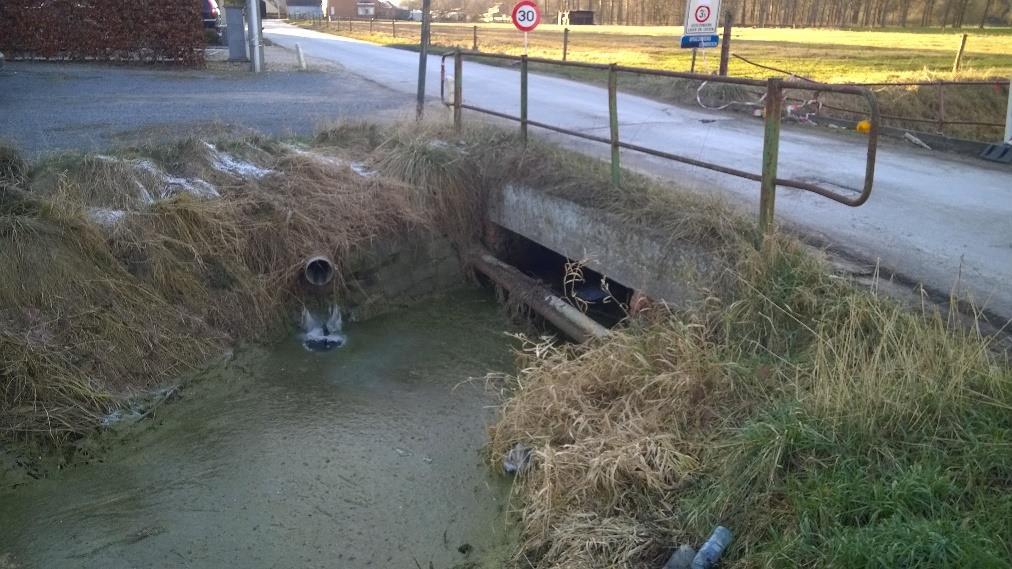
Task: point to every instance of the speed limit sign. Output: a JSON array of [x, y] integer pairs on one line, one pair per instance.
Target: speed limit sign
[[526, 15]]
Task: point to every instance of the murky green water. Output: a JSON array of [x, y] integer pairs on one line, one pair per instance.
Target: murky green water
[[367, 456]]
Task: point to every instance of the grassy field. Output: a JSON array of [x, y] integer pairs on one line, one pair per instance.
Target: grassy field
[[819, 54], [824, 55]]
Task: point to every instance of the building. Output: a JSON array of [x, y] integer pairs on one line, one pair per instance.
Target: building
[[494, 14], [345, 9], [576, 18], [388, 11], [306, 8], [277, 9]]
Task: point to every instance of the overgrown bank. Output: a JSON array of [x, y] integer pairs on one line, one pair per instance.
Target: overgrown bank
[[122, 271], [825, 425]]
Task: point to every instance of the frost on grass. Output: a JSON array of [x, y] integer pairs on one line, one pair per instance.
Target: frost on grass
[[224, 162], [151, 181], [173, 185], [105, 217], [361, 169], [357, 167]]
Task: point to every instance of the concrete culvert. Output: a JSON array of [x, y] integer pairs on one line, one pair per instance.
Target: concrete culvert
[[318, 270]]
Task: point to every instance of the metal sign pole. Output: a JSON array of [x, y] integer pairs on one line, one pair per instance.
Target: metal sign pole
[[525, 43], [256, 53], [423, 56]]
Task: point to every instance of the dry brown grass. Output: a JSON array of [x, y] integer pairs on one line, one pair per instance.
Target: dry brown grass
[[93, 309], [775, 407]]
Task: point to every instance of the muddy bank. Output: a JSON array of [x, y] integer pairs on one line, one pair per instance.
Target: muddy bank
[[367, 456]]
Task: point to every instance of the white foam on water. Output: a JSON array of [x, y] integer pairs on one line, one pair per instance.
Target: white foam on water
[[322, 336]]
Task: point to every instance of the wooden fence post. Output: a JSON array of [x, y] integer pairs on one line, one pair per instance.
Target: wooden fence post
[[616, 168], [725, 48], [941, 106], [474, 39], [771, 150], [959, 55], [565, 43], [458, 87], [523, 99], [1008, 115]]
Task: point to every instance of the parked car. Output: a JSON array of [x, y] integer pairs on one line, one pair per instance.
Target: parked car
[[210, 13]]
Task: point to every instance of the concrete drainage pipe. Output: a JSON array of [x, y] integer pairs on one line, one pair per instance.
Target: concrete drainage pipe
[[318, 270]]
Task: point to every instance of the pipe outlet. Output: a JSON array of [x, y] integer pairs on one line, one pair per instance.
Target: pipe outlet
[[318, 270]]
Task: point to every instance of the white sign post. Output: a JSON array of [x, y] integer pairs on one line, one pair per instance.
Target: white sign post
[[701, 23], [526, 17]]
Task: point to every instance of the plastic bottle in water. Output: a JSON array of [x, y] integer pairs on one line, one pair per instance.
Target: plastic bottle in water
[[714, 547]]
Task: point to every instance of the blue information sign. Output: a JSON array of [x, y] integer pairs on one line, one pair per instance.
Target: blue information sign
[[700, 41]]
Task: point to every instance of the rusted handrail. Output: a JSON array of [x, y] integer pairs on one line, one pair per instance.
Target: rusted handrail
[[772, 130]]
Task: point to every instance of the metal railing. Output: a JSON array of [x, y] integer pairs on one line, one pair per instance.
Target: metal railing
[[771, 139], [939, 120]]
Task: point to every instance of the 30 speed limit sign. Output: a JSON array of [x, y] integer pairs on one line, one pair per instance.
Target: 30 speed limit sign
[[526, 15]]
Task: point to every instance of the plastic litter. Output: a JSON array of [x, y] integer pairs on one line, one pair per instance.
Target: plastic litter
[[681, 558], [517, 458], [714, 547], [915, 141]]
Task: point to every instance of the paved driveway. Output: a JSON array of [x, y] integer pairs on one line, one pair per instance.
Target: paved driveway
[[52, 106]]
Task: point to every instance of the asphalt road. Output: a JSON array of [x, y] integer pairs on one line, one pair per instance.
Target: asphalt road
[[938, 219], [47, 107]]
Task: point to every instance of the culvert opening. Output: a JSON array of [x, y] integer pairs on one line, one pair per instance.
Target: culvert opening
[[603, 299], [318, 270]]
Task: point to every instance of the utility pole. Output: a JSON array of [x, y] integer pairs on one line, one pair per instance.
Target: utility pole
[[423, 56]]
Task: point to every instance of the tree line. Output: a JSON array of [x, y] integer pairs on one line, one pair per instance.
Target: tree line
[[805, 13], [775, 13]]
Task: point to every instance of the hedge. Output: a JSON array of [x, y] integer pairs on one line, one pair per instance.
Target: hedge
[[110, 30]]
